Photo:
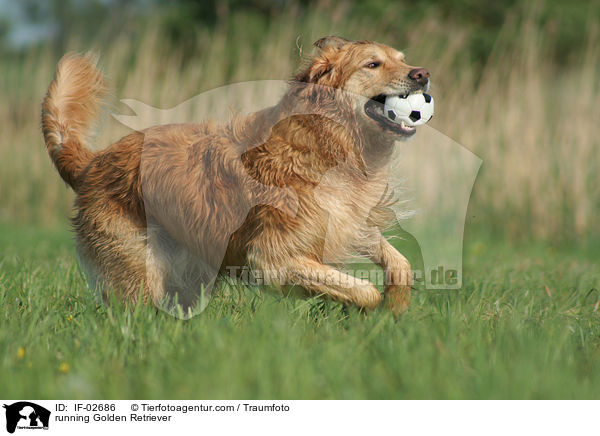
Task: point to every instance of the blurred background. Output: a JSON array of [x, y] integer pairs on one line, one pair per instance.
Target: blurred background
[[517, 83]]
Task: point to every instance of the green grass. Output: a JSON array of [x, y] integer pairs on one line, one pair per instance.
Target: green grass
[[503, 336]]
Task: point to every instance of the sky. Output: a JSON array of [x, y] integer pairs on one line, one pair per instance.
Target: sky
[[22, 32]]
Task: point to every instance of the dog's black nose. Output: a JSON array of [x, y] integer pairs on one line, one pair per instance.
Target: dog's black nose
[[420, 75]]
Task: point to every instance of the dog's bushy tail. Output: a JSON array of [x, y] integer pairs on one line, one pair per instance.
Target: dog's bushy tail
[[69, 111]]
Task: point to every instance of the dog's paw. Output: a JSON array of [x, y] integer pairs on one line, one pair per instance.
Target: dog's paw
[[397, 289], [366, 297], [397, 298]]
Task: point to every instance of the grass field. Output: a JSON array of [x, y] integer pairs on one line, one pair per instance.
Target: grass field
[[525, 325]]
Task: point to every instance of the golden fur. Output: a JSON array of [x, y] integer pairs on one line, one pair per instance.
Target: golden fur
[[279, 147]]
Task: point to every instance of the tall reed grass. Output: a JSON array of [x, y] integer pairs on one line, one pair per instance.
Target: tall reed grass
[[533, 122]]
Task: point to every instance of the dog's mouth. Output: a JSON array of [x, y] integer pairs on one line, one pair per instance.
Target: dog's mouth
[[374, 109]]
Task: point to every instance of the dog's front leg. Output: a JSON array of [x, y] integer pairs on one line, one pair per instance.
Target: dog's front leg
[[398, 275], [318, 278]]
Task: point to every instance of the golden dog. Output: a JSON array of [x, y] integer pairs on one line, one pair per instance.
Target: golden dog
[[196, 165]]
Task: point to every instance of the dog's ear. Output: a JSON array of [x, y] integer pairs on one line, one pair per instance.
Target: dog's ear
[[336, 42], [321, 68]]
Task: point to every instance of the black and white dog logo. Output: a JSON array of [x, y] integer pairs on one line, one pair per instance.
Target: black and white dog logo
[[26, 415]]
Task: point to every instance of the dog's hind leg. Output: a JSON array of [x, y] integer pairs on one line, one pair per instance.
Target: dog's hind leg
[[112, 251]]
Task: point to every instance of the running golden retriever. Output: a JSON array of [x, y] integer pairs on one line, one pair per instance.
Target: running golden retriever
[[181, 182]]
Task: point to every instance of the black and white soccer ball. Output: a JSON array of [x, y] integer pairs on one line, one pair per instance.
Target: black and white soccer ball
[[412, 109]]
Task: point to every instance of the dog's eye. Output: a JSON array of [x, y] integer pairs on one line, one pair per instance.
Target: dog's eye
[[373, 64]]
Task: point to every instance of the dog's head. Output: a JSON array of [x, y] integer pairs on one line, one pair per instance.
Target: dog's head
[[368, 72]]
